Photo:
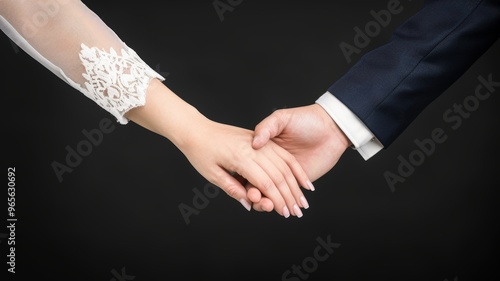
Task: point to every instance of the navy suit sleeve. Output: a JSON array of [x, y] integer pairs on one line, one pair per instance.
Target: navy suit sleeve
[[390, 85]]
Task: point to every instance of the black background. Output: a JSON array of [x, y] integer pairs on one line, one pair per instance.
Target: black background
[[119, 208]]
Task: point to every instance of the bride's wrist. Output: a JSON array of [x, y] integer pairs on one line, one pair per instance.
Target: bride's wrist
[[187, 129], [168, 115]]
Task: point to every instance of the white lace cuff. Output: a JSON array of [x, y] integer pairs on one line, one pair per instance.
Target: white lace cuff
[[115, 82], [78, 47]]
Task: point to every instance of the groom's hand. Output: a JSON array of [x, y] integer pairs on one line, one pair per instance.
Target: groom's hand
[[309, 134]]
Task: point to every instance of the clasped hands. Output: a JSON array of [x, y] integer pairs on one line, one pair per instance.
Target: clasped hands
[[267, 169]]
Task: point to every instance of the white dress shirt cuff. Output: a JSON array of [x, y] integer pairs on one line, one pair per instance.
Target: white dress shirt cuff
[[361, 137]]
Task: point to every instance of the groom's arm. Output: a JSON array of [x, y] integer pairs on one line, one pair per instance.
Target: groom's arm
[[376, 100]]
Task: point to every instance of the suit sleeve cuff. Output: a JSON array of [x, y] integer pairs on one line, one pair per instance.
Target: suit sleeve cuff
[[361, 137]]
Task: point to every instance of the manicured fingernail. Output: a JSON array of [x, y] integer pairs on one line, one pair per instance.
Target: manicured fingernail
[[245, 204], [304, 202], [311, 186], [297, 210], [286, 212]]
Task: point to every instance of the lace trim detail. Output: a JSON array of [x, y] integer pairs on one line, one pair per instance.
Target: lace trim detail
[[116, 82]]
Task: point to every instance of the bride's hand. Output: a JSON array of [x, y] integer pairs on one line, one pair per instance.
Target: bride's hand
[[216, 150]]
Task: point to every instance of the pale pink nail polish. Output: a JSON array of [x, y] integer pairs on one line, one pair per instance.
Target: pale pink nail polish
[[304, 202], [297, 210], [311, 186], [245, 204], [286, 212]]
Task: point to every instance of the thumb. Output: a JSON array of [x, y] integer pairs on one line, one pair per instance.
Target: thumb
[[259, 202], [268, 128], [233, 188]]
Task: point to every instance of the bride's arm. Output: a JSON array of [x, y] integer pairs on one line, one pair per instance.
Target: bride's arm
[[76, 45]]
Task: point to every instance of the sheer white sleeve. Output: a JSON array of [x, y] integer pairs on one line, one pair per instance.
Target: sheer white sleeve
[[76, 45]]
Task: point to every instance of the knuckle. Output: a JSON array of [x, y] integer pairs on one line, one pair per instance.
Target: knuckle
[[232, 191], [280, 182], [267, 186]]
